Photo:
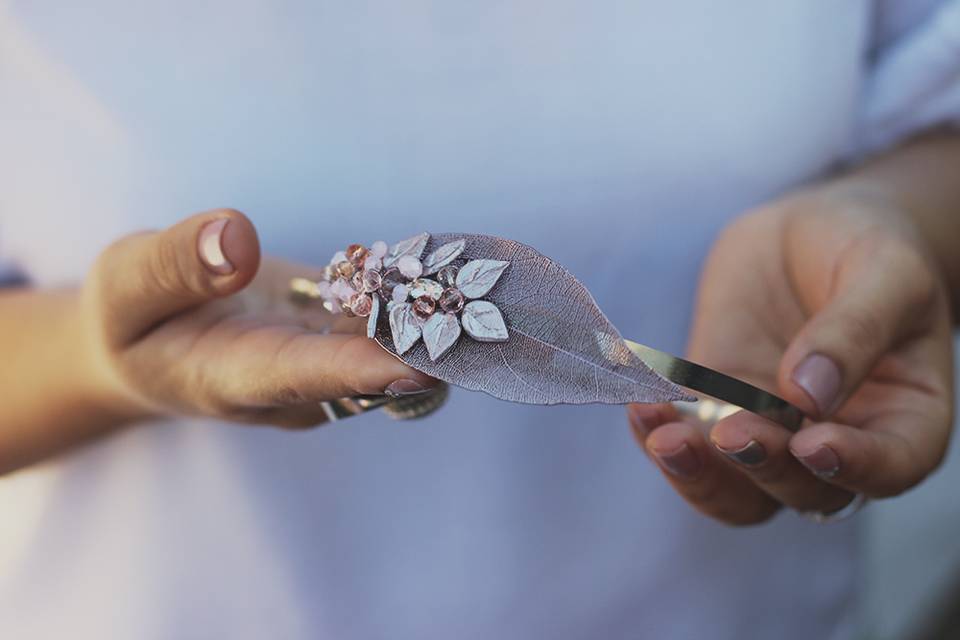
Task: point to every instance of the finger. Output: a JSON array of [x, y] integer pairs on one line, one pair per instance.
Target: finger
[[883, 461], [708, 483], [882, 293], [146, 278], [644, 418], [760, 449]]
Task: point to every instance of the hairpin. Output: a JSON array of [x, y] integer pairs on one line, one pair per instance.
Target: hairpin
[[494, 315]]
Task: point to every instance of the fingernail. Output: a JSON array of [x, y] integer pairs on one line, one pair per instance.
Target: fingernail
[[681, 462], [209, 245], [404, 387], [636, 421], [750, 454], [819, 377], [822, 462]]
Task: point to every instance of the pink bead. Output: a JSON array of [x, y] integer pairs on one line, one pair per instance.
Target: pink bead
[[400, 293], [451, 300], [423, 307], [361, 304], [370, 280], [410, 267], [379, 249]]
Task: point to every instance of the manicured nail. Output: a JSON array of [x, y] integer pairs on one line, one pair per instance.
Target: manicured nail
[[636, 421], [750, 454], [819, 377], [681, 462], [822, 462], [404, 387], [209, 245]]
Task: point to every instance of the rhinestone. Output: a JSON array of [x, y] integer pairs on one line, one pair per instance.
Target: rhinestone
[[345, 269], [447, 275], [423, 307], [356, 254], [361, 304], [451, 300], [389, 279], [370, 280], [426, 287]]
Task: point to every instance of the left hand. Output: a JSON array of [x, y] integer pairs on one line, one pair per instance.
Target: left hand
[[835, 304]]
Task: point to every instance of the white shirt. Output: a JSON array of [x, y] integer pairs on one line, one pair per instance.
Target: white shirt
[[617, 137]]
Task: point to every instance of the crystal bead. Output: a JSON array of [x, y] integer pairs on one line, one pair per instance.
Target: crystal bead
[[400, 293], [447, 276], [451, 300], [345, 269], [379, 249], [373, 263], [410, 267], [329, 273], [423, 307], [370, 280], [342, 290], [426, 287], [361, 304], [356, 254], [389, 279], [357, 280], [323, 290]]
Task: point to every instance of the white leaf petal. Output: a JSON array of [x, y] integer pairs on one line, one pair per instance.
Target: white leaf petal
[[404, 327], [440, 333], [442, 256], [483, 321], [477, 277], [410, 247], [372, 319]]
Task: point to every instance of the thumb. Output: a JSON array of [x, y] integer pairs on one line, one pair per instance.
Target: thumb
[[148, 277], [879, 296]]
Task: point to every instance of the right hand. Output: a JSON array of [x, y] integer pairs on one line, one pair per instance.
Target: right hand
[[188, 321]]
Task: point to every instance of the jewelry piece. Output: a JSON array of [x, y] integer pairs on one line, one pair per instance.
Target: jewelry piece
[[490, 314]]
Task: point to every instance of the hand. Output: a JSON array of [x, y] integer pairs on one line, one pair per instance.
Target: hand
[[834, 304], [188, 321]]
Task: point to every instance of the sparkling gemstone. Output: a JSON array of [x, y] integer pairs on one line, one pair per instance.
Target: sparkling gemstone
[[400, 293], [379, 249], [447, 275], [451, 300], [361, 304], [426, 287], [423, 307], [370, 280], [345, 269], [356, 254], [390, 278], [373, 262], [410, 267], [357, 280]]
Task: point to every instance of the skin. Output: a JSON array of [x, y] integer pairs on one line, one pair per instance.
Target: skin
[[862, 269], [859, 268]]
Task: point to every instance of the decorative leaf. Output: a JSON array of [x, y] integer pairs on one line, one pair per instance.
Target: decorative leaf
[[373, 317], [442, 256], [483, 321], [440, 333], [560, 347], [404, 327], [410, 247], [477, 277]]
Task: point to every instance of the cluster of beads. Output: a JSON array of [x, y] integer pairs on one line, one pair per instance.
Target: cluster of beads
[[357, 274]]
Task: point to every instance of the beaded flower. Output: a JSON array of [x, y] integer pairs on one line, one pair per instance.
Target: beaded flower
[[432, 298]]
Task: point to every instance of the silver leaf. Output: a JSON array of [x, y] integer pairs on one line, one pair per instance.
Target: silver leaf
[[440, 333], [372, 318], [483, 321], [442, 256], [404, 327], [410, 247], [477, 277], [560, 349]]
